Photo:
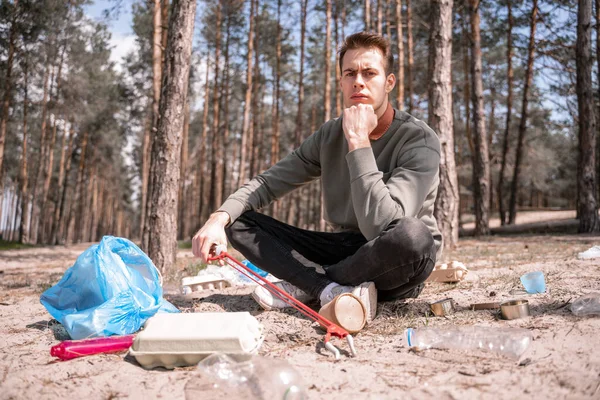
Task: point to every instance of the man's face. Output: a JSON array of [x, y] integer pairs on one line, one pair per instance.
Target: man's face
[[364, 79]]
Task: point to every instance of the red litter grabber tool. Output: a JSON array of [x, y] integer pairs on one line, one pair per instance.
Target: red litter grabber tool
[[332, 328]]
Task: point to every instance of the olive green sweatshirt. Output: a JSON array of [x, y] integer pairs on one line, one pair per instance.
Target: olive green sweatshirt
[[363, 190]]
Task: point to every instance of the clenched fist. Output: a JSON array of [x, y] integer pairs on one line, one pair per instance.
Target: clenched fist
[[358, 122]]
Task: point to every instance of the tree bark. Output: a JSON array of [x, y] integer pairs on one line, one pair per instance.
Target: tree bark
[[467, 80], [523, 124], [379, 18], [12, 37], [367, 15], [33, 228], [586, 168], [157, 59], [299, 116], [166, 148], [440, 117], [327, 97], [337, 95], [248, 97], [400, 49], [24, 181], [409, 44], [59, 236], [481, 166], [202, 162], [275, 113], [78, 185], [509, 105], [217, 151], [183, 174]]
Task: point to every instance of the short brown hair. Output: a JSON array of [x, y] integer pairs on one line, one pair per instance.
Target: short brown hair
[[368, 40]]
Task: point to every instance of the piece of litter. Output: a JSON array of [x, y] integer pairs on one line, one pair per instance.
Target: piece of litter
[[454, 271], [593, 252]]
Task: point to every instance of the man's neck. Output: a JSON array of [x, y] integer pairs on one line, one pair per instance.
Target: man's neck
[[383, 123]]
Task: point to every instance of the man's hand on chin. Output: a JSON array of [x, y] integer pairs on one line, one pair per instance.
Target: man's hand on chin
[[358, 122]]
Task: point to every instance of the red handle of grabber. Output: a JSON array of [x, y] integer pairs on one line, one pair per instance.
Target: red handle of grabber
[[332, 328]]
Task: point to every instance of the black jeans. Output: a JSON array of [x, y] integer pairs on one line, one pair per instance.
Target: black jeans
[[398, 261]]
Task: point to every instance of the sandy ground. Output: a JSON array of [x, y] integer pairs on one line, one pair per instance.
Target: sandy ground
[[563, 361]]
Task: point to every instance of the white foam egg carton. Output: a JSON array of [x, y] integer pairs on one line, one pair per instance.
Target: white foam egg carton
[[191, 284], [176, 340]]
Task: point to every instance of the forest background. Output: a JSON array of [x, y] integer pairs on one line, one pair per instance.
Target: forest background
[[77, 130]]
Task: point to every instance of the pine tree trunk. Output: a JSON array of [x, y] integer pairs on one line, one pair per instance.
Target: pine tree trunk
[[217, 152], [491, 134], [327, 97], [146, 138], [367, 15], [440, 117], [78, 194], [509, 100], [254, 142], [337, 95], [183, 174], [598, 93], [467, 80], [379, 18], [202, 163], [388, 20], [409, 44], [275, 112], [586, 168], [481, 166], [223, 150], [166, 148], [59, 221], [400, 50], [12, 37], [523, 124], [33, 229], [24, 181], [248, 97], [157, 59]]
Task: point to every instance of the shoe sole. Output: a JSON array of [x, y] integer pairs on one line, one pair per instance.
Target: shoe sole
[[265, 306], [371, 307]]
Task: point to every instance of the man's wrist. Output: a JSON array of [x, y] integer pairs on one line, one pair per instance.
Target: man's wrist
[[353, 145], [221, 216]]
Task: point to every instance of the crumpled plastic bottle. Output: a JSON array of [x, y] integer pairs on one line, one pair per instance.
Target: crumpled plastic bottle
[[510, 342], [222, 377], [587, 305]]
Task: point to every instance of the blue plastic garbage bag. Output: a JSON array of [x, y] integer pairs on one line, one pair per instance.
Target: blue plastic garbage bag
[[112, 289]]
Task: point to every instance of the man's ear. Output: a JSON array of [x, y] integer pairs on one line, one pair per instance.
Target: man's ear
[[390, 82]]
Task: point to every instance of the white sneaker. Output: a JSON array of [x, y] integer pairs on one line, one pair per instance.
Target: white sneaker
[[366, 292], [269, 301]]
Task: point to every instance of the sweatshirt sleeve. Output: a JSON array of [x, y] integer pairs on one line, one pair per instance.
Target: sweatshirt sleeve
[[299, 167], [377, 204]]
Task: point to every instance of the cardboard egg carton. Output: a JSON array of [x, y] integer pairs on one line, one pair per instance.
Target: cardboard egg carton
[[451, 272]]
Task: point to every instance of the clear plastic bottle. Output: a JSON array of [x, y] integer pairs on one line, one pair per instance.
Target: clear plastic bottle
[[510, 342], [222, 377], [587, 305]]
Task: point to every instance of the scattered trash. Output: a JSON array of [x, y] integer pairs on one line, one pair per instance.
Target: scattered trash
[[69, 349], [534, 282], [587, 305], [332, 328], [443, 307], [510, 342], [229, 274], [191, 284], [254, 268], [515, 309], [220, 376], [485, 306], [112, 289], [175, 340], [593, 252], [454, 271], [347, 311]]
